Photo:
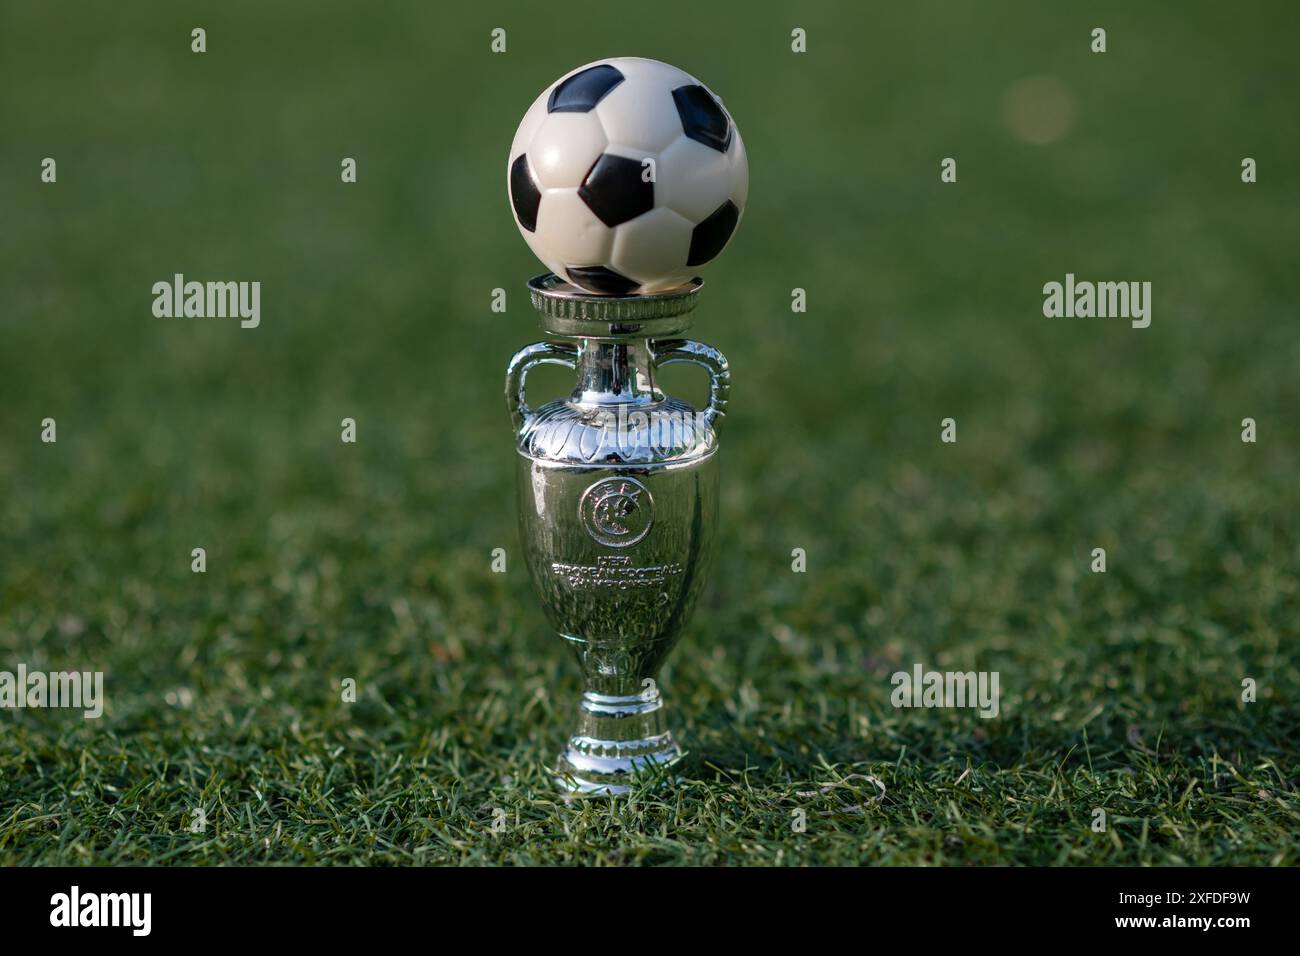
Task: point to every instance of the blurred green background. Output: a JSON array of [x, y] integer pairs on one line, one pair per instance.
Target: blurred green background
[[1120, 691]]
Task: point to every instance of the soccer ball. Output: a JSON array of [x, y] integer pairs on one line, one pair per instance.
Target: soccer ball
[[626, 175]]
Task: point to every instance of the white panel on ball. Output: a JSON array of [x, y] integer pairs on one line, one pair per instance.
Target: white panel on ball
[[568, 232], [694, 179], [528, 127], [652, 249], [739, 173], [636, 114], [564, 147]]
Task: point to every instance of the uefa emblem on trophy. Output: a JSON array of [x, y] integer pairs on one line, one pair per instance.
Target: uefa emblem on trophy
[[625, 176]]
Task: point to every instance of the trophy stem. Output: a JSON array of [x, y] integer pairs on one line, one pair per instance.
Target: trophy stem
[[617, 737], [613, 373]]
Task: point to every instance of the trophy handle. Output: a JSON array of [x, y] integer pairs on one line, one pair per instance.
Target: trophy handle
[[668, 351], [539, 353]]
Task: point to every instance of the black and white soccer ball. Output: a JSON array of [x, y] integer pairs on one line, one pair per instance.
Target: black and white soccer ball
[[626, 175]]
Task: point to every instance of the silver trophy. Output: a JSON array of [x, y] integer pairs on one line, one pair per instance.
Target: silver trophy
[[618, 501]]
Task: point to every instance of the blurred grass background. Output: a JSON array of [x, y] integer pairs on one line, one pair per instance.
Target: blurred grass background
[[371, 561]]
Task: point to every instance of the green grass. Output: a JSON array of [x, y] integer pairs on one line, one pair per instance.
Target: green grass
[[372, 561]]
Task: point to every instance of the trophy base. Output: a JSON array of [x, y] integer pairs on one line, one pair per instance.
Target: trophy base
[[620, 741]]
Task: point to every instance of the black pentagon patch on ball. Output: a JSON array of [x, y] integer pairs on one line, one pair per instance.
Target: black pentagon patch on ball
[[524, 194], [616, 191], [582, 91], [703, 118], [708, 238], [602, 280]]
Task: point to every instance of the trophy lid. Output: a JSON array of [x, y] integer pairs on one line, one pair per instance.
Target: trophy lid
[[570, 311]]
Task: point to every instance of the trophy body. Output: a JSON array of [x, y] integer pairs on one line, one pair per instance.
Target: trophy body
[[617, 491]]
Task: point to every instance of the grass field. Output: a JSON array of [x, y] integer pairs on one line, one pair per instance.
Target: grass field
[[1120, 691]]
